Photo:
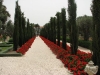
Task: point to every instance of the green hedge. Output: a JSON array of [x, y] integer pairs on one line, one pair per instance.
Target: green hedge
[[0, 49], [4, 54], [85, 44], [9, 43], [82, 43], [4, 45], [68, 40], [10, 40]]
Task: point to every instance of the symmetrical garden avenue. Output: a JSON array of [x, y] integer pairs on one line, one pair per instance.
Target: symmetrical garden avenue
[[39, 60]]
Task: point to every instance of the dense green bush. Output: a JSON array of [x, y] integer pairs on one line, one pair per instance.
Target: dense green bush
[[10, 40], [85, 44], [4, 45], [5, 54], [68, 40], [82, 43], [0, 49]]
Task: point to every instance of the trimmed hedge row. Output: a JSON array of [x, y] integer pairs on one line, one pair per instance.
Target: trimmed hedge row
[[4, 54], [82, 43], [10, 40], [7, 50], [4, 45], [85, 44]]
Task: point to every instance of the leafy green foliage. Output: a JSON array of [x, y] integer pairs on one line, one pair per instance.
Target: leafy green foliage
[[4, 45], [9, 28], [85, 25]]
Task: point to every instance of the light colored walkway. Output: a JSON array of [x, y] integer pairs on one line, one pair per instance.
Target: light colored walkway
[[39, 60]]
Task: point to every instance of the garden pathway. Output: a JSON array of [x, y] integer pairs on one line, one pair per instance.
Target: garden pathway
[[39, 60]]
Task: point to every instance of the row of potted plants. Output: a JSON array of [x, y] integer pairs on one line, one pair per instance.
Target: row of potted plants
[[74, 63], [25, 47]]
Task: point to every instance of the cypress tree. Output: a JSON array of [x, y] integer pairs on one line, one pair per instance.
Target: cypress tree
[[16, 28], [31, 30], [51, 27], [49, 31], [72, 26], [23, 26], [27, 29], [54, 28], [96, 33], [20, 28], [63, 15], [58, 28]]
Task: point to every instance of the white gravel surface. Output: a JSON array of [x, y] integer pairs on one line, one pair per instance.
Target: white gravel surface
[[39, 60]]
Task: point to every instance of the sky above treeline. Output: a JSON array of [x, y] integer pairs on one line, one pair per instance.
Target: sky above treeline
[[40, 11]]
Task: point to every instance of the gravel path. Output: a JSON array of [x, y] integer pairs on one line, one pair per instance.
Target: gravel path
[[39, 60]]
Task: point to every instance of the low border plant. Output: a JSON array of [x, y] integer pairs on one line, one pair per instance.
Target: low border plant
[[26, 46]]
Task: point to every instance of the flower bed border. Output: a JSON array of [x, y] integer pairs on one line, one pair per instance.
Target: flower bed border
[[26, 46]]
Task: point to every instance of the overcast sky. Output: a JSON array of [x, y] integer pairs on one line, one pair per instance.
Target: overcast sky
[[40, 11]]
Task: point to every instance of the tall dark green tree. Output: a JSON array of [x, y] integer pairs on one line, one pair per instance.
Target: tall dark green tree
[[28, 30], [31, 30], [58, 28], [63, 16], [54, 30], [72, 26], [51, 27], [23, 26], [96, 33], [16, 28], [20, 28], [48, 31]]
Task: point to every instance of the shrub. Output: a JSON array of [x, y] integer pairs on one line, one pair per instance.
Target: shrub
[[5, 54], [10, 40], [68, 40], [4, 45], [82, 43], [86, 44]]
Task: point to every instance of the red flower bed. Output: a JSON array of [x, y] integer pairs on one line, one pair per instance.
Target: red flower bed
[[74, 63], [26, 46]]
